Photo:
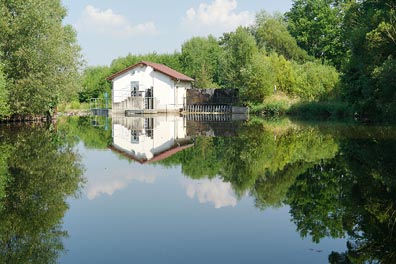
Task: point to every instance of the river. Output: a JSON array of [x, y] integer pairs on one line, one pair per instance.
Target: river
[[172, 189]]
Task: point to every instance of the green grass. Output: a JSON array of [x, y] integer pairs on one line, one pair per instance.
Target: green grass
[[275, 105], [74, 105]]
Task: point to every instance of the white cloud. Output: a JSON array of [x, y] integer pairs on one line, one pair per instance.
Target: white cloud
[[109, 184], [110, 23], [215, 191], [219, 15]]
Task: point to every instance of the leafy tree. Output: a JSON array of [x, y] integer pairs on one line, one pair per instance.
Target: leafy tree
[[94, 83], [240, 48], [315, 81], [40, 55], [272, 34], [369, 76], [4, 107], [200, 59], [259, 79], [316, 25]]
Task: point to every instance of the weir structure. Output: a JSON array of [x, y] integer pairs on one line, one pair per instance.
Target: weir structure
[[213, 101]]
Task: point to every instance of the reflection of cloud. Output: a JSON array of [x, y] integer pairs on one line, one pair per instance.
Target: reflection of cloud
[[219, 14], [109, 22], [215, 191], [108, 184]]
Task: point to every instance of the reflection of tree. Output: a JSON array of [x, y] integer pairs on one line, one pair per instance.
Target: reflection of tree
[[41, 172], [354, 194], [343, 188], [91, 132], [257, 160]]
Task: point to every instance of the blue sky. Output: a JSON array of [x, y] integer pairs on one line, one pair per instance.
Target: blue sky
[[111, 29]]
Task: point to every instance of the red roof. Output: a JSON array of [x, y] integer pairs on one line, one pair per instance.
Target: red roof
[[164, 155], [157, 67]]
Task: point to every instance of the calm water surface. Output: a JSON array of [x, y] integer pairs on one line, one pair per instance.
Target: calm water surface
[[169, 189]]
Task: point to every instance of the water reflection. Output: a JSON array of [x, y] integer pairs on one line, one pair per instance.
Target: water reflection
[[338, 180], [38, 171], [214, 191], [148, 139]]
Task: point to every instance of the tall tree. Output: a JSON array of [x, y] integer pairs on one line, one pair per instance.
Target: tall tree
[[40, 55], [272, 34], [200, 59], [316, 24], [369, 78], [240, 49]]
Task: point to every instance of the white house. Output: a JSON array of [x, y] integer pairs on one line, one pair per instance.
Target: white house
[[148, 87], [149, 139]]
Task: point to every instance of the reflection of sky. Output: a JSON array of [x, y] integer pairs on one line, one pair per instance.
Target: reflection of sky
[[123, 219], [214, 191], [106, 173]]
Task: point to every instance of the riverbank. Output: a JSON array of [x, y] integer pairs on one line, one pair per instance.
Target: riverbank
[[282, 105]]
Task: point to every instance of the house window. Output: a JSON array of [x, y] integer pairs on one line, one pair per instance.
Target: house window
[[134, 89], [149, 127], [135, 136]]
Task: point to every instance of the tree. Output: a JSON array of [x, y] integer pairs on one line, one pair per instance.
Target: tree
[[4, 107], [316, 25], [40, 55], [271, 33], [240, 49], [369, 78], [200, 59], [258, 78], [94, 83]]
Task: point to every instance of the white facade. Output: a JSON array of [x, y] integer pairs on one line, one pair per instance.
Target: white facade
[[132, 88], [145, 137]]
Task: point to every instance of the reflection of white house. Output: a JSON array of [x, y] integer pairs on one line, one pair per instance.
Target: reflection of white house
[[149, 88], [149, 139]]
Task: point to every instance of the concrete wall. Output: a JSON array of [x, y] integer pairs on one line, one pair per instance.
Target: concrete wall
[[212, 96]]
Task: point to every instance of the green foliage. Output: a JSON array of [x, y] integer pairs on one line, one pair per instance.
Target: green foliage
[[240, 48], [258, 79], [94, 83], [369, 81], [316, 25], [271, 34], [40, 55], [316, 81], [200, 59], [4, 107]]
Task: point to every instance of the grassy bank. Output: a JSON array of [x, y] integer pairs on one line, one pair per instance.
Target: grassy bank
[[282, 105], [75, 105]]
